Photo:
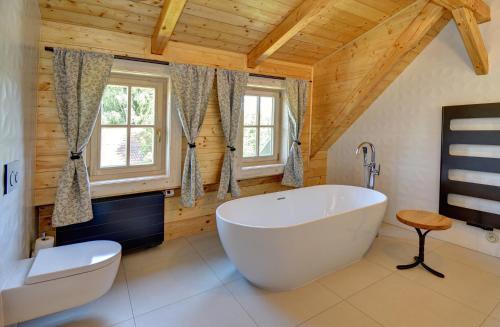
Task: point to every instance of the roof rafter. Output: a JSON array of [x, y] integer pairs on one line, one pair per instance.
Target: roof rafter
[[473, 41], [480, 9], [299, 18], [170, 13], [467, 14]]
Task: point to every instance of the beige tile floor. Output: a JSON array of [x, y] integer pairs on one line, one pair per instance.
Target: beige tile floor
[[190, 282]]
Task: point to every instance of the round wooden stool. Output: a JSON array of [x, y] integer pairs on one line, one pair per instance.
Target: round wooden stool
[[423, 220]]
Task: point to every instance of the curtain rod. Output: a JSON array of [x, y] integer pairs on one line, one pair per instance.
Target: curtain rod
[[159, 62]]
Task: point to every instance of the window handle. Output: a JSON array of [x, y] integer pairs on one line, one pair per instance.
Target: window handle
[[158, 135]]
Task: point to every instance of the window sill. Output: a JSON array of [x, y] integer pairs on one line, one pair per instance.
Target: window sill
[[99, 189], [260, 171]]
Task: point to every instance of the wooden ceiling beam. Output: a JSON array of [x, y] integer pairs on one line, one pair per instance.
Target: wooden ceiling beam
[[408, 39], [170, 13], [467, 14], [480, 9], [299, 18], [473, 41]]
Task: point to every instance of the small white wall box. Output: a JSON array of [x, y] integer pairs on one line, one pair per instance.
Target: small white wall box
[[169, 193], [11, 176]]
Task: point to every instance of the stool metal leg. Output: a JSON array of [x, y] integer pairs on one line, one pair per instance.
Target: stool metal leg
[[432, 271], [421, 255], [411, 265]]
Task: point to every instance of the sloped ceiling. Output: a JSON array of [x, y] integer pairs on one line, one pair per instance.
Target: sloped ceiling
[[356, 47]]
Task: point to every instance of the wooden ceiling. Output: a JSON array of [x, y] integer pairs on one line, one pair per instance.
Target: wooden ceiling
[[367, 39], [234, 25]]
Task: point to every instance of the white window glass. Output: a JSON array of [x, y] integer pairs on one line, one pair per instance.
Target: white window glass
[[113, 147], [129, 132], [114, 105], [259, 129], [142, 146]]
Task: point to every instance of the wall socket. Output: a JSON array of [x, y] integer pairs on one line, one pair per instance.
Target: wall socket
[[169, 193], [11, 176]]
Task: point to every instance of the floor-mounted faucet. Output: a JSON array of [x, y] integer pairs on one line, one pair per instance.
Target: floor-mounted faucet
[[370, 167]]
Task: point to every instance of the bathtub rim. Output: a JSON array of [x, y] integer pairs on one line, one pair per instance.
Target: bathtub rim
[[219, 217]]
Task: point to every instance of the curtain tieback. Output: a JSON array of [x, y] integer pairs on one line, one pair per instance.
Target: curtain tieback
[[76, 155], [297, 141], [192, 145], [231, 148]]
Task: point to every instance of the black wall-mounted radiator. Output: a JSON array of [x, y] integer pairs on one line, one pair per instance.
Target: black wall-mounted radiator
[[134, 221], [477, 218]]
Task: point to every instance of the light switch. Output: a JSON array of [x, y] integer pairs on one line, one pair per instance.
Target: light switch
[[11, 176]]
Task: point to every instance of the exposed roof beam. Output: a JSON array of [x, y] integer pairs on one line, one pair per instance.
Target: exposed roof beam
[[467, 14], [469, 30], [410, 37], [480, 9], [299, 18], [170, 13]]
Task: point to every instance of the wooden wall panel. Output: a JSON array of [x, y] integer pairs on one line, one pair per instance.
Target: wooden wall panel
[[51, 148], [79, 37], [233, 25], [338, 75]]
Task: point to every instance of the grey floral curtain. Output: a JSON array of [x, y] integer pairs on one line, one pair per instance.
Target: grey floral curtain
[[231, 87], [79, 79], [296, 92], [191, 89]]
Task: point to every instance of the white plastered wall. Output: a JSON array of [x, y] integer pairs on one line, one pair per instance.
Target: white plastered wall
[[404, 123], [19, 32]]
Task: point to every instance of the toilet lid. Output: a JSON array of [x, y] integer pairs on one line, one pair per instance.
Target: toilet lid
[[68, 260]]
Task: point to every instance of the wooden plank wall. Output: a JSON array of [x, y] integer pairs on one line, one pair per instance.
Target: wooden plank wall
[[51, 149], [338, 75]]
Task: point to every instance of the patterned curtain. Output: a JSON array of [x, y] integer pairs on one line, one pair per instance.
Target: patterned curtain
[[296, 95], [191, 89], [231, 87], [79, 79]]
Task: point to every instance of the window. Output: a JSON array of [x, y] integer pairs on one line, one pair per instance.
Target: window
[[260, 132], [129, 137]]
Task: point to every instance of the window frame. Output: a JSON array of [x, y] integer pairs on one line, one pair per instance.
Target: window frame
[[97, 173], [278, 109]]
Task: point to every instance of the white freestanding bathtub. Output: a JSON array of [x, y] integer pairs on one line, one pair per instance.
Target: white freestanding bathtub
[[283, 240]]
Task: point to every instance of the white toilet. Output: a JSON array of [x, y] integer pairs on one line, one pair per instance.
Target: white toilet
[[59, 278]]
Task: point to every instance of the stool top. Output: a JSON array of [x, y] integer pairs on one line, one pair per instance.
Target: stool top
[[424, 219]]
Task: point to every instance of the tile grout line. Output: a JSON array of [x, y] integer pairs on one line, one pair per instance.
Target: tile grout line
[[367, 314], [370, 284], [224, 285], [361, 310], [178, 301], [346, 299], [128, 292], [483, 321], [443, 243], [392, 272], [317, 281], [428, 288], [467, 264], [321, 312], [301, 322], [241, 305], [433, 250], [490, 315], [439, 293], [203, 259]]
